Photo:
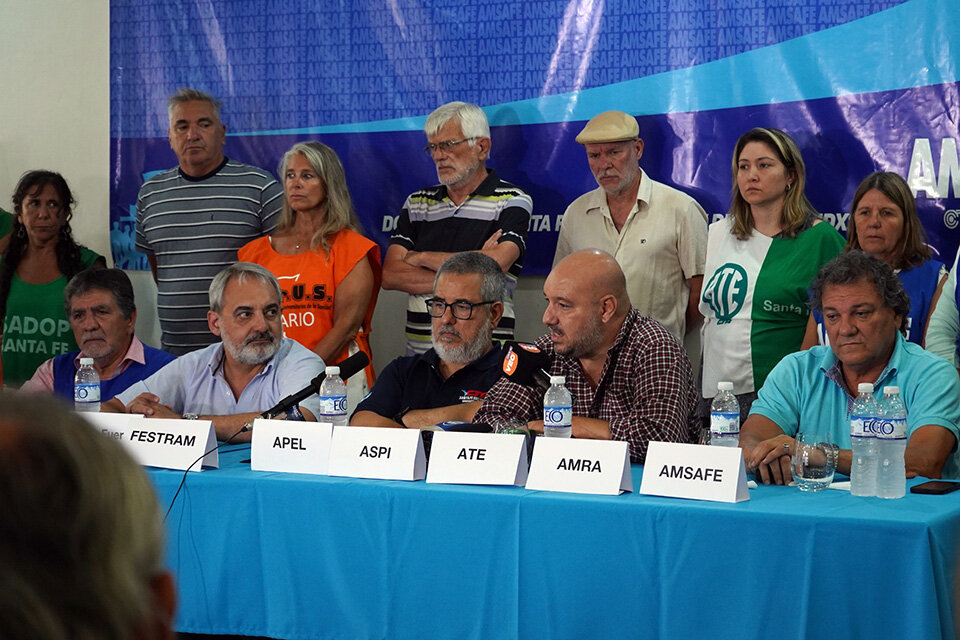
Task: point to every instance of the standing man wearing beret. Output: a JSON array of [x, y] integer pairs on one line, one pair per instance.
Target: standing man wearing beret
[[657, 234]]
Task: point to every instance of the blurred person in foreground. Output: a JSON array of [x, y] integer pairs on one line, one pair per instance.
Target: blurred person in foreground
[[81, 540], [863, 305], [630, 377]]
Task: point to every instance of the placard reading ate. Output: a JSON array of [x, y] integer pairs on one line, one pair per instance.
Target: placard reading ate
[[291, 446], [697, 471], [478, 458], [375, 452], [580, 466]]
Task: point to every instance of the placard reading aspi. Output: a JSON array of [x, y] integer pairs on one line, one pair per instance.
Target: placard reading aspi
[[372, 452]]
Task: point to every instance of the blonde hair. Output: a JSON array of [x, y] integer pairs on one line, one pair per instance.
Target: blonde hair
[[796, 208], [339, 206]]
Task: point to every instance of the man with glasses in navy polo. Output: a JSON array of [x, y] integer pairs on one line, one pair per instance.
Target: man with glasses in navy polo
[[471, 209], [450, 380]]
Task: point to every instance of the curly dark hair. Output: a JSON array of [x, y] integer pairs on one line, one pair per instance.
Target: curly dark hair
[[68, 251], [855, 266]]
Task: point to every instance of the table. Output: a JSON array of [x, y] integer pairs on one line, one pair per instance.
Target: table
[[297, 557]]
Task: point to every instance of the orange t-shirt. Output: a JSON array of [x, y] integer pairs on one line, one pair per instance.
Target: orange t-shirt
[[309, 283]]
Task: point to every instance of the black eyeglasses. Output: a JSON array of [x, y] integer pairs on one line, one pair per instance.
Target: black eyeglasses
[[444, 146], [461, 309]]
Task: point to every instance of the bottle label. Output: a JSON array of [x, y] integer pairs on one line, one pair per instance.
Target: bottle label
[[861, 427], [333, 405], [86, 393], [557, 416], [724, 423], [891, 428]]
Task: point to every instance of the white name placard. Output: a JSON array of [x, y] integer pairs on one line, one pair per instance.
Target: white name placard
[[580, 466], [374, 452], [291, 446], [112, 425], [697, 471], [478, 458], [172, 444]]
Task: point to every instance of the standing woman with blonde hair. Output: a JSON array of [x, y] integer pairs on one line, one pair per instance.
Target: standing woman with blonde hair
[[328, 271], [761, 259]]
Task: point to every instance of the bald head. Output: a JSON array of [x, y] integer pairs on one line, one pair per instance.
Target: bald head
[[594, 271], [587, 302]]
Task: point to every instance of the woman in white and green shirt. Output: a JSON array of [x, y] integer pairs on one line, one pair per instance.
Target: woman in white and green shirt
[[761, 259]]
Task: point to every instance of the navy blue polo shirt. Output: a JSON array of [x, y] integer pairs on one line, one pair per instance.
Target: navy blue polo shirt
[[415, 382]]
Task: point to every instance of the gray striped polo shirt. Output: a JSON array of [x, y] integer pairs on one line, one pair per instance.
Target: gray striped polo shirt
[[194, 226]]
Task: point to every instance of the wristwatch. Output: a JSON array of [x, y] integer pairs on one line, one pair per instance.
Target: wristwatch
[[191, 416]]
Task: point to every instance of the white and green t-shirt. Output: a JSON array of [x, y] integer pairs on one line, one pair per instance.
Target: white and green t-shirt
[[754, 300]]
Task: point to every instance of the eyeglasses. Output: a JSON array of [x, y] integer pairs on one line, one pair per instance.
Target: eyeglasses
[[444, 146], [461, 309]]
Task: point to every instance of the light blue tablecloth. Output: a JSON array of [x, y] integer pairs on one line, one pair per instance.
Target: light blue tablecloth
[[298, 557]]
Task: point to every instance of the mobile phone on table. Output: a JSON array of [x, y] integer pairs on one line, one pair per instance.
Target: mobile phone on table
[[935, 487]]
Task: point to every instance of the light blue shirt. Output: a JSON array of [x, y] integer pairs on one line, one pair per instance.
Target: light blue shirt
[[805, 391], [194, 382]]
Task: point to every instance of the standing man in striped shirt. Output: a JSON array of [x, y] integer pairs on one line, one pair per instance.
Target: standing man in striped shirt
[[192, 219], [471, 209]]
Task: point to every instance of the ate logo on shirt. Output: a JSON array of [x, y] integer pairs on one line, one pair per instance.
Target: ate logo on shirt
[[726, 291]]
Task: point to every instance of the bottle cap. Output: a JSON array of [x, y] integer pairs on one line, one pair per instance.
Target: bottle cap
[[86, 361], [557, 380], [891, 391], [864, 387], [333, 371], [724, 386]]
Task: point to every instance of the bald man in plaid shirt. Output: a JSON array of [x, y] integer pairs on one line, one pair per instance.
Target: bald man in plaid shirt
[[630, 378]]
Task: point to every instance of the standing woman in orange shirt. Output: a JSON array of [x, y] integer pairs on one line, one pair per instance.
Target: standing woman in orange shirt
[[328, 271]]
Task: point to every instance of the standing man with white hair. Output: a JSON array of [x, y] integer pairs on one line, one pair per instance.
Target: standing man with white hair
[[192, 219], [471, 209], [657, 234]]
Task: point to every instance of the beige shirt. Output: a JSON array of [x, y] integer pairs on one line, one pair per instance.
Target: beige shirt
[[662, 244]]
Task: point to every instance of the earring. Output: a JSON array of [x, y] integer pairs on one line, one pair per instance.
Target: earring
[[788, 188], [21, 232]]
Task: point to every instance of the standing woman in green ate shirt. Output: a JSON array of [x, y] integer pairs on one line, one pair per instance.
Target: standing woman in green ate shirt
[[39, 260]]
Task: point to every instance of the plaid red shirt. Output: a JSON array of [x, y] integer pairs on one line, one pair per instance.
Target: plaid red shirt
[[646, 389]]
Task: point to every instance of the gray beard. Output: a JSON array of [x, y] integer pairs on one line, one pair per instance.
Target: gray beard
[[465, 353]]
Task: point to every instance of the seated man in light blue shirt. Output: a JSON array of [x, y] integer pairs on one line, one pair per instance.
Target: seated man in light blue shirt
[[863, 306], [233, 381]]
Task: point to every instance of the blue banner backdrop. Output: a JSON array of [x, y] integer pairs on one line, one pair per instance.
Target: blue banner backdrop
[[860, 85]]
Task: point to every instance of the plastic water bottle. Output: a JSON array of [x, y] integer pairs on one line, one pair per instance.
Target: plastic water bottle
[[86, 387], [725, 417], [557, 409], [333, 398], [863, 441], [891, 444]]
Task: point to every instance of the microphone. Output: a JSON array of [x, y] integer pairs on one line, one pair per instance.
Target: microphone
[[348, 367], [526, 365]]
